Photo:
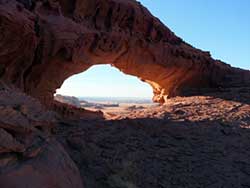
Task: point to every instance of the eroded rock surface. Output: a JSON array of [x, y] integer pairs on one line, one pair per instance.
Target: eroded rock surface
[[29, 155], [57, 39]]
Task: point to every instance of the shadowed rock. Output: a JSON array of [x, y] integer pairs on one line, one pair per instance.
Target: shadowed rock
[[29, 156]]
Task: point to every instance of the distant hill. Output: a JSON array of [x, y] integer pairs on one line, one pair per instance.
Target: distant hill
[[68, 100], [117, 99]]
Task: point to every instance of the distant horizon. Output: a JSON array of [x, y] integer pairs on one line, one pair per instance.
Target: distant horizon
[[115, 97], [105, 97]]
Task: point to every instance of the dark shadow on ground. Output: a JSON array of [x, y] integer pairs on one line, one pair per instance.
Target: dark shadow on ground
[[158, 153]]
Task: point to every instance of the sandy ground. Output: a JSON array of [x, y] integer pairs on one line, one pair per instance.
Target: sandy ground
[[123, 108], [199, 108]]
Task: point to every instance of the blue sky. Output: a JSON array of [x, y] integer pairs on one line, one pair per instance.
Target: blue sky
[[105, 81], [219, 26]]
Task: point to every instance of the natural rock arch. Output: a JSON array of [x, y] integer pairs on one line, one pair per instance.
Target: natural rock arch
[[45, 42]]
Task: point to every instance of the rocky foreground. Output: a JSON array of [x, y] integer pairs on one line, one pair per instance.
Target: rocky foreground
[[188, 142]]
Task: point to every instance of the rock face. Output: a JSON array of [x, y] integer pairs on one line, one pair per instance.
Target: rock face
[[57, 39], [29, 156]]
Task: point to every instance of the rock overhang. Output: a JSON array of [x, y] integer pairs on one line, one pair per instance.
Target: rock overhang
[[45, 42]]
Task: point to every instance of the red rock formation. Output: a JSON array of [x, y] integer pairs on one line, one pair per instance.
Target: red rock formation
[[44, 42], [98, 32], [29, 155]]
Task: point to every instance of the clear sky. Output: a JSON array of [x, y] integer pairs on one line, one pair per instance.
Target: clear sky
[[219, 26], [105, 81]]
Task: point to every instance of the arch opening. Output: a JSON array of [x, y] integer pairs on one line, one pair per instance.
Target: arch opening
[[106, 88]]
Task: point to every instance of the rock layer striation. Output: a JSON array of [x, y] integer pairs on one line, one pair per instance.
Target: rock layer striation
[[45, 42]]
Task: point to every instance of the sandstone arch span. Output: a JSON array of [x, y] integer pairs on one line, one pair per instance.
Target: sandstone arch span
[[45, 42]]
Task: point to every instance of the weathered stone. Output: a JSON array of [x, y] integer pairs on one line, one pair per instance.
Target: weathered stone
[[29, 156], [66, 37]]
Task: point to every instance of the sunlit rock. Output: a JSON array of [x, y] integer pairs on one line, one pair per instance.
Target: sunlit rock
[[57, 39]]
